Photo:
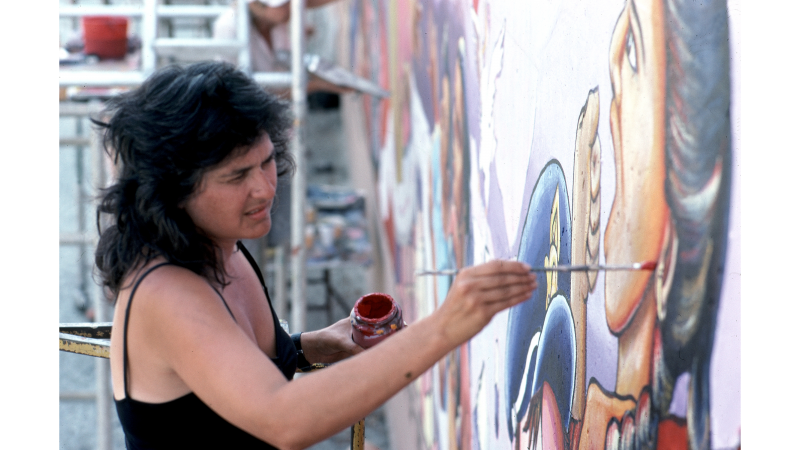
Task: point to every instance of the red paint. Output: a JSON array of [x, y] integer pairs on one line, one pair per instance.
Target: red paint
[[374, 307], [649, 265], [374, 318]]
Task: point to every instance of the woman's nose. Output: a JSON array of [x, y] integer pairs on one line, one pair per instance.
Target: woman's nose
[[617, 50], [265, 183]]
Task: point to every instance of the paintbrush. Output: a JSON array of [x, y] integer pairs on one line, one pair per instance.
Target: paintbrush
[[649, 265]]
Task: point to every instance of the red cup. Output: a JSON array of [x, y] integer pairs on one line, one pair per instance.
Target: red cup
[[105, 36], [374, 318]]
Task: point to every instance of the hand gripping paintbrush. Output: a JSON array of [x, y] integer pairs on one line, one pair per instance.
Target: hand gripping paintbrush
[[649, 265]]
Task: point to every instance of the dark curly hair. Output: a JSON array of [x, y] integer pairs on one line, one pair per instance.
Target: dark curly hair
[[181, 122]]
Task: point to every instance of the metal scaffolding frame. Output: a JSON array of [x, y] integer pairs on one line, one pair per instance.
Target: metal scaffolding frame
[[153, 47]]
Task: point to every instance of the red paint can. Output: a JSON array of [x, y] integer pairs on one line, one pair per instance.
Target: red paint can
[[375, 317], [105, 36]]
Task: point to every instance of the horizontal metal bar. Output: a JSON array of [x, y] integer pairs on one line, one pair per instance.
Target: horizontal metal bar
[[93, 339], [96, 78], [196, 48], [95, 330], [162, 11], [87, 395], [100, 78], [215, 45], [77, 141], [100, 10], [79, 108], [84, 346], [273, 79], [76, 239], [179, 11]]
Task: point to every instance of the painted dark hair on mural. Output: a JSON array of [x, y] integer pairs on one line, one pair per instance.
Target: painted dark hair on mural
[[181, 122], [698, 162]]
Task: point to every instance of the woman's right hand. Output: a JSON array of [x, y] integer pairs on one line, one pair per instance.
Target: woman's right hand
[[478, 293]]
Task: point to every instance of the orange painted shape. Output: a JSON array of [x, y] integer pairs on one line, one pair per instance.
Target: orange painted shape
[[601, 406]]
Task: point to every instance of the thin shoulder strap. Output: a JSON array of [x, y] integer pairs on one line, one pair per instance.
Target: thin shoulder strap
[[252, 261], [224, 302], [125, 327], [255, 267], [127, 315]]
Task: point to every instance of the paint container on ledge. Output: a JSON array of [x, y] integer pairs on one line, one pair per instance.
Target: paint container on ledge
[[105, 36], [374, 318]]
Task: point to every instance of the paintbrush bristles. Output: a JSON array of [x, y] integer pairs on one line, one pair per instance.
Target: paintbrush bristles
[[648, 265]]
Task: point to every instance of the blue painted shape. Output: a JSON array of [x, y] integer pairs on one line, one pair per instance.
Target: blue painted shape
[[555, 361], [527, 318]]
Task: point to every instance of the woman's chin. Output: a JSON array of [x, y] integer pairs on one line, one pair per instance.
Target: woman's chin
[[624, 291], [259, 231]]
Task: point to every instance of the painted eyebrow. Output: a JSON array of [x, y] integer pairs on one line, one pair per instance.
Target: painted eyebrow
[[639, 47]]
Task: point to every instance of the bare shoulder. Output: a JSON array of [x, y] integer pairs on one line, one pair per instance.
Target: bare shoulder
[[174, 312], [164, 285], [170, 301], [166, 279], [182, 338]]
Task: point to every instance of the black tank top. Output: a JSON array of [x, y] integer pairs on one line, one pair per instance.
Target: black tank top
[[187, 422]]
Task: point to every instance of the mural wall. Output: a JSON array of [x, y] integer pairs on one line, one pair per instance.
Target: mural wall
[[565, 132]]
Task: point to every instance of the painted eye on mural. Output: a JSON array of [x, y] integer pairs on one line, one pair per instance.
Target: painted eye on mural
[[630, 49]]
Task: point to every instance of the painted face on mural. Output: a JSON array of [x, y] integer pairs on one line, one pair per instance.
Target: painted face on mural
[[639, 212]]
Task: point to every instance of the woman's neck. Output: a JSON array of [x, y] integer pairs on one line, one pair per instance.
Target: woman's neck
[[228, 252]]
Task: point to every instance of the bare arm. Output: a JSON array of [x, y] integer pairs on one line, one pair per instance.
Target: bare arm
[[223, 367]]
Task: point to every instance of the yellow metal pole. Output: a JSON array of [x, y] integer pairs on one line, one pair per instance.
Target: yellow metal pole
[[357, 436]]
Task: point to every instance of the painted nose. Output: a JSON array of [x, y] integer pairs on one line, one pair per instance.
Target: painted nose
[[617, 50]]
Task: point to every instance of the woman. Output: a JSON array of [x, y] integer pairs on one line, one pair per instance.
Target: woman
[[198, 359]]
